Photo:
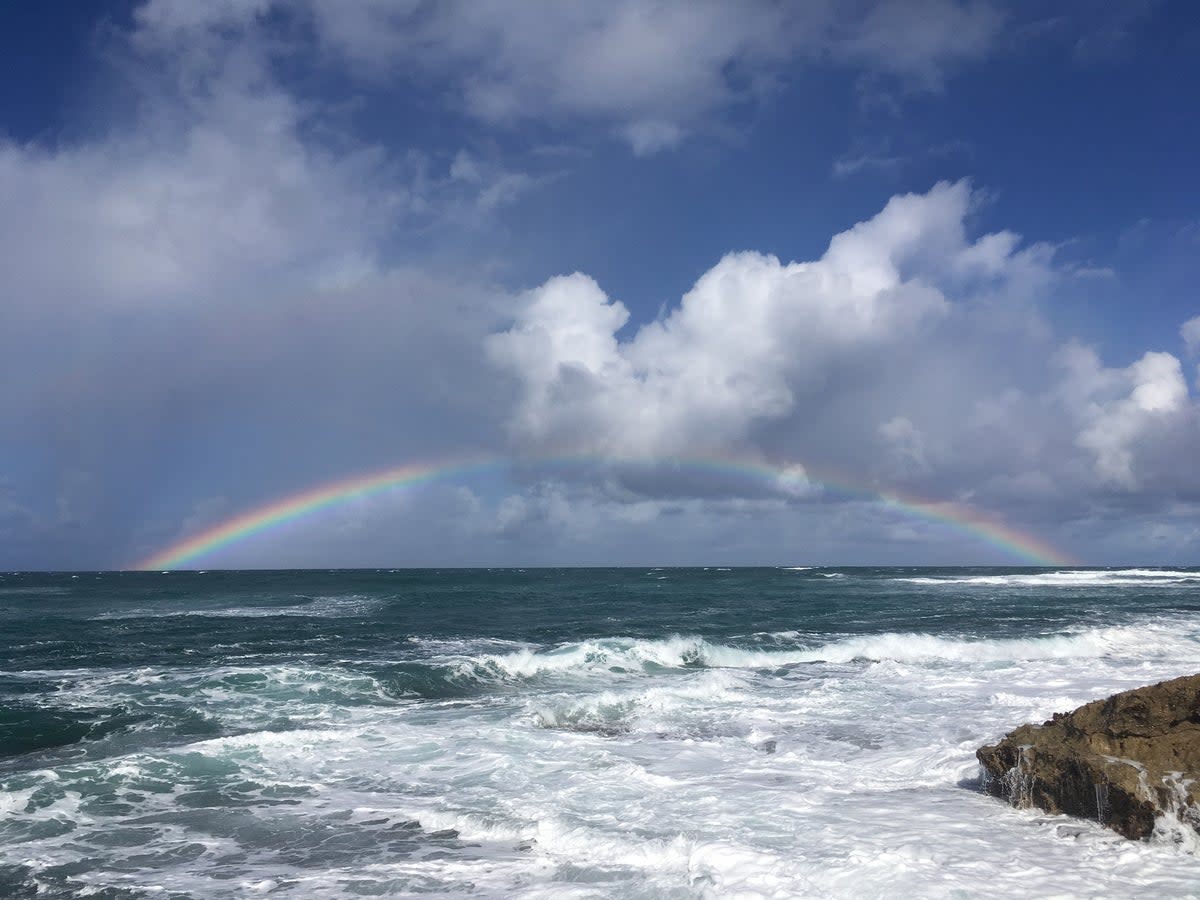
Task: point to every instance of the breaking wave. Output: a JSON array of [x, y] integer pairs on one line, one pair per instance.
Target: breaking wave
[[1071, 578], [631, 655]]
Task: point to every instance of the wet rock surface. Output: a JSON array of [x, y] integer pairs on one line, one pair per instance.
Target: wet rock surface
[[1132, 761]]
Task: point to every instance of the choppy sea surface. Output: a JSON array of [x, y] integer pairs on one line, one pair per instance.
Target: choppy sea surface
[[804, 732]]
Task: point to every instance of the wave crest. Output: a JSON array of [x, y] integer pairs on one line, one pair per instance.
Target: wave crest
[[1070, 578], [619, 655]]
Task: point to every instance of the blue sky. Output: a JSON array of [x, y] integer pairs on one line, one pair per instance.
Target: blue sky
[[946, 249]]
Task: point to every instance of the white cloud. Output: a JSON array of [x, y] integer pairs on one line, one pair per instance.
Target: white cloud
[[851, 165], [209, 275], [920, 39], [1124, 407], [170, 18], [217, 274], [651, 73], [1190, 332], [751, 336], [910, 353], [793, 481], [491, 186], [148, 220], [907, 444], [647, 137], [209, 184]]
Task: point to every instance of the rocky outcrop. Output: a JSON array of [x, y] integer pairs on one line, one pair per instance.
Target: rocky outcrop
[[1131, 761]]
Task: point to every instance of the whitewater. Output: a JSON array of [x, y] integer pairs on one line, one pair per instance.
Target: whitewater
[[657, 733]]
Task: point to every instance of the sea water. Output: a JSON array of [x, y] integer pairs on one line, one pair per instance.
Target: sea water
[[802, 732]]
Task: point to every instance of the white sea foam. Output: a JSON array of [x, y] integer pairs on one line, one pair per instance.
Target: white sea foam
[[1081, 578], [613, 767], [14, 801], [658, 709], [620, 656], [322, 607]]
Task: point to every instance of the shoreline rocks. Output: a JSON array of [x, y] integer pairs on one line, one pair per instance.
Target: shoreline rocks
[[1131, 762]]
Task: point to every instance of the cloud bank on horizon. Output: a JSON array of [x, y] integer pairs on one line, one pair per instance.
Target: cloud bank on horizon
[[274, 243]]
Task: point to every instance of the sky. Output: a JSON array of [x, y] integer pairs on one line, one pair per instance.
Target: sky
[[628, 283]]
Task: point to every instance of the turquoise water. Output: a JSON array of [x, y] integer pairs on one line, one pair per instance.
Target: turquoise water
[[573, 732]]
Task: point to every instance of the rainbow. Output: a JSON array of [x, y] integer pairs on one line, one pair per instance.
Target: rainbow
[[790, 479]]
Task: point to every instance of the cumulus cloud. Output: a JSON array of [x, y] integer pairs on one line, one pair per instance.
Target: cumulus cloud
[[222, 297], [911, 353], [145, 219], [751, 337], [1121, 409]]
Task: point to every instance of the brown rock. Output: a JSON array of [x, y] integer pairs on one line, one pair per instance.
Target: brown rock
[[1124, 761]]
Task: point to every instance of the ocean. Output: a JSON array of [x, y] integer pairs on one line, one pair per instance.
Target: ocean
[[656, 733]]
